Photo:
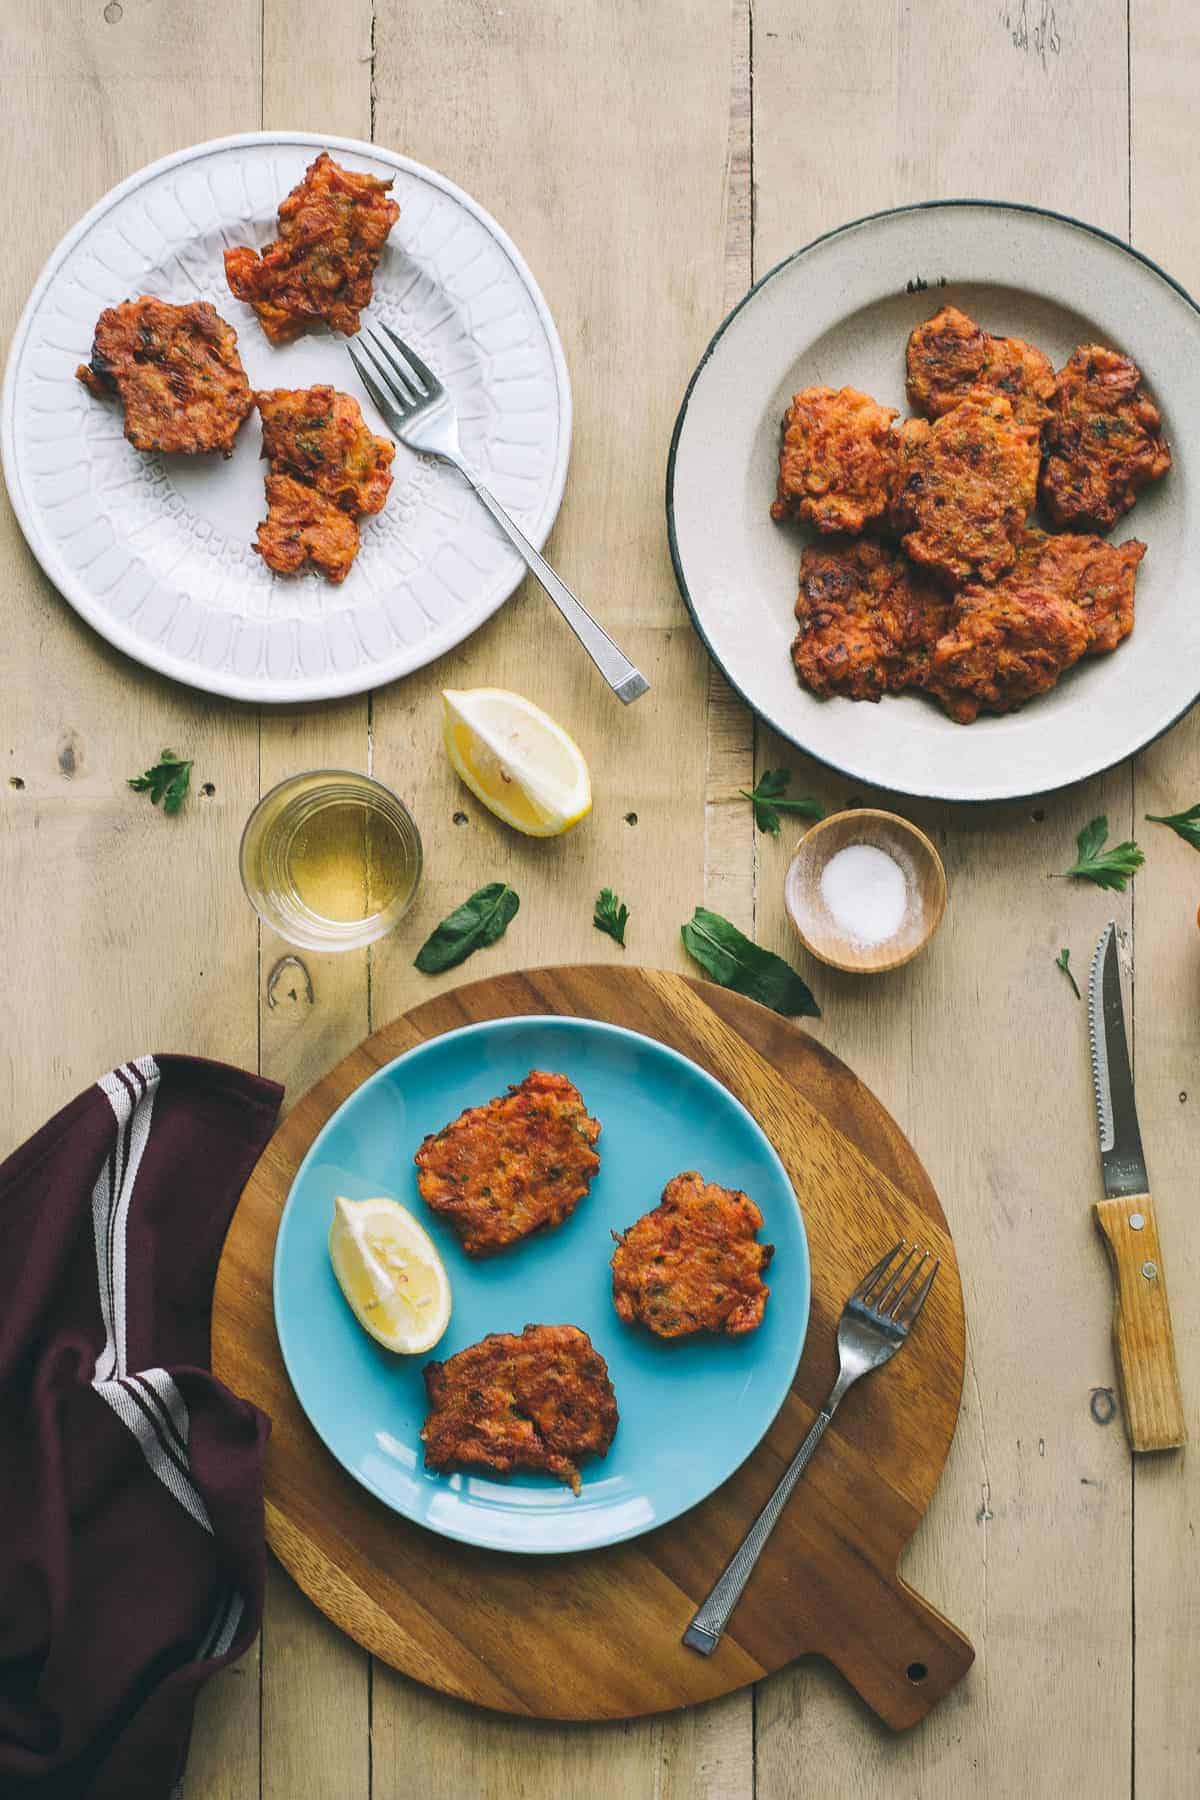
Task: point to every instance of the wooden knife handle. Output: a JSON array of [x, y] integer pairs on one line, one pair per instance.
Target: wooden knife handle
[[1142, 1325]]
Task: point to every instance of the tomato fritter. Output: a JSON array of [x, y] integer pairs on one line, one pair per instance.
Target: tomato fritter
[[177, 372], [950, 357], [967, 484], [837, 461], [522, 1162], [1008, 641], [302, 526], [1097, 576], [1103, 440], [694, 1263], [542, 1400], [332, 229], [327, 470], [868, 620], [320, 437]]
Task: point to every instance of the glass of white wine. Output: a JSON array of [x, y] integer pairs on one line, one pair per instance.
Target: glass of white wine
[[331, 860]]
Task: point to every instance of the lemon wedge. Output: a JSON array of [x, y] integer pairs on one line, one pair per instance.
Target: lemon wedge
[[390, 1272], [516, 759]]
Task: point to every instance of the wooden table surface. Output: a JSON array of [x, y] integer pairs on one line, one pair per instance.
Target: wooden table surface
[[650, 159]]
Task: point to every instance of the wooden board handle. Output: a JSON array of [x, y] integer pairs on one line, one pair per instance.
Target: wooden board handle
[[1142, 1325], [907, 1660]]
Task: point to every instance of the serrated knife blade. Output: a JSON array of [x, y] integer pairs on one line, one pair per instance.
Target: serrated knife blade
[[1121, 1157]]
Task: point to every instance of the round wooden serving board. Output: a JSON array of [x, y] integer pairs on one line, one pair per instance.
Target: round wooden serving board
[[597, 1635]]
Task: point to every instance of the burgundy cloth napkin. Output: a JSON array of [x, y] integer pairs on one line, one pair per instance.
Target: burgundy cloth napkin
[[131, 1503]]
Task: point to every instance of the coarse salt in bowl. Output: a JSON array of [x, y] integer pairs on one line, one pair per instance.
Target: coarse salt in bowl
[[865, 890]]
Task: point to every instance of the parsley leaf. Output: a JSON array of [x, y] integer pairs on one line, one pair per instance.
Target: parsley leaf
[[482, 918], [611, 915], [733, 961], [1063, 961], [1186, 824], [1109, 868], [769, 800], [166, 781]]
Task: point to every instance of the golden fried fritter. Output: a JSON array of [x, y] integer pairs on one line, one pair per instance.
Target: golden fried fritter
[[320, 437], [327, 470], [1097, 576], [694, 1263], [950, 357], [332, 229], [1007, 641], [868, 619], [837, 461], [522, 1162], [542, 1400], [967, 484], [1103, 440], [177, 372], [302, 526]]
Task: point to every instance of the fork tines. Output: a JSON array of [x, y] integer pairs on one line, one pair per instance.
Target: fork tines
[[890, 1289], [395, 378]]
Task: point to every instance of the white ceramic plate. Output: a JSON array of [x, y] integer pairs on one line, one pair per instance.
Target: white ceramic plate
[[154, 551], [839, 313]]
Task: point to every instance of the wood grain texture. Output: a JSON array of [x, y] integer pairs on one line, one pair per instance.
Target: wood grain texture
[[1142, 1334], [597, 1636], [316, 1684], [979, 1047], [1164, 57], [1025, 101]]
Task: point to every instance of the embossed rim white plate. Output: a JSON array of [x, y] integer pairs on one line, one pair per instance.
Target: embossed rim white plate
[[839, 312], [154, 552]]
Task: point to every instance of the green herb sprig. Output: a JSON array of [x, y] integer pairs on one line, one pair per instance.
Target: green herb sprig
[[611, 915], [1108, 868], [479, 921], [769, 799], [167, 781], [1185, 824], [1063, 961], [733, 961]]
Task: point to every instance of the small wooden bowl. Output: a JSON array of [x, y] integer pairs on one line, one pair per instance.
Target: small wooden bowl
[[924, 877]]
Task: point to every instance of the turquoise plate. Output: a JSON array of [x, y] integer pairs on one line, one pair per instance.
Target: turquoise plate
[[690, 1411]]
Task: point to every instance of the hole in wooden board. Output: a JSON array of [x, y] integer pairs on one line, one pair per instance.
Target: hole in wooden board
[[916, 1672]]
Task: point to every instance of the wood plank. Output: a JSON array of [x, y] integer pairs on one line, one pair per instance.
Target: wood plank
[[589, 84], [315, 1688], [425, 1743], [1164, 66], [982, 1029], [133, 921]]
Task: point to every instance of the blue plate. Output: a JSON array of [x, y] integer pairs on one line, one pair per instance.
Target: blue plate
[[690, 1411]]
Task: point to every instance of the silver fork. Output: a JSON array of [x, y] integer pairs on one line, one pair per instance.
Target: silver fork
[[423, 416], [875, 1321]]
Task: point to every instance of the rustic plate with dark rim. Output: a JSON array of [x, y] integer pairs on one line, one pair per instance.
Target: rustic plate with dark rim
[[838, 313]]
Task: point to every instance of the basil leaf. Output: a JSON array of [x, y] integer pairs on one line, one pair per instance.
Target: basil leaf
[[479, 921], [732, 961]]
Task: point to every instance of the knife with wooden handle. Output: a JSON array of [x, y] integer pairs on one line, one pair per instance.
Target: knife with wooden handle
[[1142, 1335]]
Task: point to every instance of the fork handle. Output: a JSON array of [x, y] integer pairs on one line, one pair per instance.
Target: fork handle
[[704, 1632], [626, 681]]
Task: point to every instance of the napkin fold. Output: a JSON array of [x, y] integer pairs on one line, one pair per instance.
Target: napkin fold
[[131, 1504]]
